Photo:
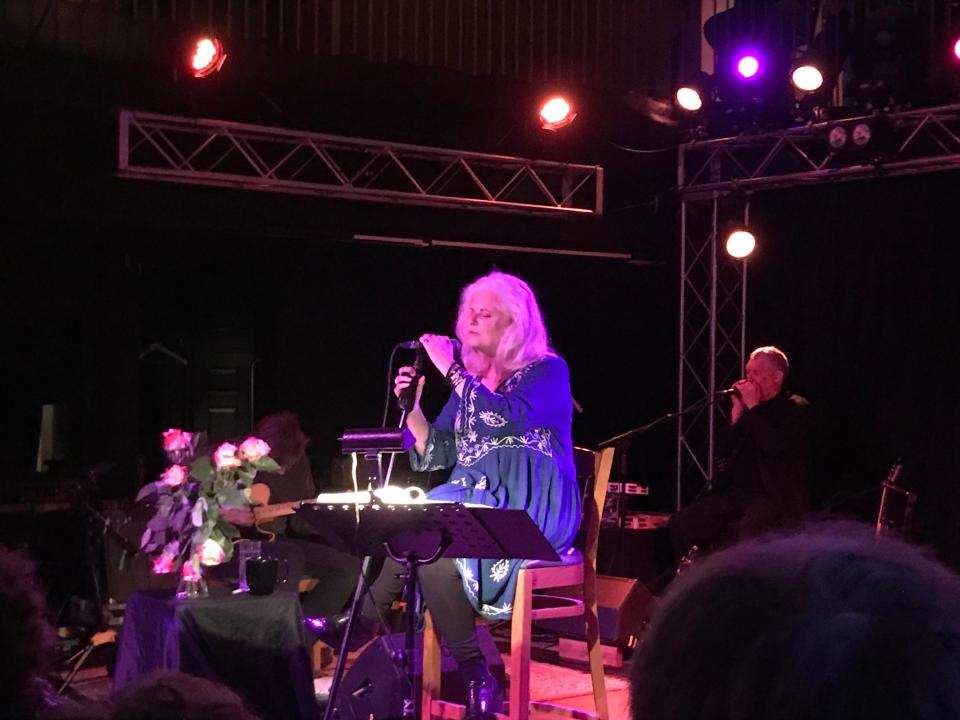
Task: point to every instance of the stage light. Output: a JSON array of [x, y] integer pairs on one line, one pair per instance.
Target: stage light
[[807, 78], [689, 99], [862, 134], [556, 113], [837, 137], [872, 137], [740, 243], [748, 66], [956, 50], [207, 56]]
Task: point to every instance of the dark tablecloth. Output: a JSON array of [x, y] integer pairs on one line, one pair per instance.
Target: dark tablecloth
[[255, 645]]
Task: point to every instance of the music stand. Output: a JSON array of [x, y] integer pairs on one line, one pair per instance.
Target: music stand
[[418, 534]]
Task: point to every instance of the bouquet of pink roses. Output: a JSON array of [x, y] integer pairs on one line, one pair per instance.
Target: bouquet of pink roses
[[188, 529]]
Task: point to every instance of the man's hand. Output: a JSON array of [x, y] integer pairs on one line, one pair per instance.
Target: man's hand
[[748, 393], [737, 409], [242, 517]]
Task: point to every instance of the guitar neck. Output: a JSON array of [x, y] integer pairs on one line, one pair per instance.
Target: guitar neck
[[269, 512]]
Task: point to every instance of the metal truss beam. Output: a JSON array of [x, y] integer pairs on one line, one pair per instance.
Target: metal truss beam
[[253, 157], [905, 143]]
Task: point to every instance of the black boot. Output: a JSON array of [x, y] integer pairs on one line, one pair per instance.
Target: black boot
[[484, 696], [332, 628]]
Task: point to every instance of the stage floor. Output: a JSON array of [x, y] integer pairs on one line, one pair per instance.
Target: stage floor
[[560, 683]]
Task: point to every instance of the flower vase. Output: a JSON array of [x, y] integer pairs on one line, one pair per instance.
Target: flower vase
[[192, 587]]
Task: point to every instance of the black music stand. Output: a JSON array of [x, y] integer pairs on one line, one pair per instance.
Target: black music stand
[[419, 534]]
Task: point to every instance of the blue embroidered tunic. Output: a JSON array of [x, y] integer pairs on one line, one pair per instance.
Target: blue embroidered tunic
[[508, 449]]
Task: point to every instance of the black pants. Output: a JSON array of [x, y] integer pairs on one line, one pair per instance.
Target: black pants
[[337, 572], [717, 518], [444, 596]]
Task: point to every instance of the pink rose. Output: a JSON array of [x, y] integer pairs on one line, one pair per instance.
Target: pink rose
[[225, 456], [174, 475], [174, 439], [163, 564], [188, 573], [211, 553], [253, 449]]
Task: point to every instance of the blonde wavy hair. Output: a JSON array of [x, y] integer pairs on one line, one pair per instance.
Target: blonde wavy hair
[[525, 338]]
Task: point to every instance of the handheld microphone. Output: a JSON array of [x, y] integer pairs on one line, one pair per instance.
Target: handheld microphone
[[408, 395], [728, 391], [415, 345]]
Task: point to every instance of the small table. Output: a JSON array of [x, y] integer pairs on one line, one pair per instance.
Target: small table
[[256, 645]]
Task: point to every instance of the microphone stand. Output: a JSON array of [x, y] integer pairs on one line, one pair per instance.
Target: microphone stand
[[703, 402], [698, 405]]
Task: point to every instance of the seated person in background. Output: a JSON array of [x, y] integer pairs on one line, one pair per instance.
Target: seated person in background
[[829, 623], [337, 571], [26, 641], [164, 695], [762, 459]]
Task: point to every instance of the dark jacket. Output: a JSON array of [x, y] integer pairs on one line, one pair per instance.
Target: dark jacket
[[767, 454]]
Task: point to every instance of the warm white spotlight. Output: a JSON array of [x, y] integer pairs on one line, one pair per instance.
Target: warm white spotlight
[[807, 78], [689, 99], [740, 244]]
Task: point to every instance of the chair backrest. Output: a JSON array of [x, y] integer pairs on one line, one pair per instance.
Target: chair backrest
[[593, 475]]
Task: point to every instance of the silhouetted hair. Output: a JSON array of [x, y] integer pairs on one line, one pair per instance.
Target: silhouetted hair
[[825, 624], [283, 434], [163, 695], [523, 341], [776, 356], [26, 638]]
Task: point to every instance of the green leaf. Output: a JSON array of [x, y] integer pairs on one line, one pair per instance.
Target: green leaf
[[202, 469], [267, 464]]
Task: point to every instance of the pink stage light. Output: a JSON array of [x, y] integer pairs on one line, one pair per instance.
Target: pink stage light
[[956, 50]]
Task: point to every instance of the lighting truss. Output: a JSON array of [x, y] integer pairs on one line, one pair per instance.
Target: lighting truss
[[916, 141], [712, 334], [253, 157], [719, 176]]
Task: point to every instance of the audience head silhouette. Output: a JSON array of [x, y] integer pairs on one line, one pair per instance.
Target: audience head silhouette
[[829, 623]]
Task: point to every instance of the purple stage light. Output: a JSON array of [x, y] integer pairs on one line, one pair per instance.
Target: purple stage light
[[956, 50], [748, 65]]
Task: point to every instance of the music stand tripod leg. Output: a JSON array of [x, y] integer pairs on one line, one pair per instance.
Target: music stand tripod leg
[[411, 563], [358, 596]]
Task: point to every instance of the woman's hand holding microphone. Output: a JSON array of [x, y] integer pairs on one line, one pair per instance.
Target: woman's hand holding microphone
[[408, 384]]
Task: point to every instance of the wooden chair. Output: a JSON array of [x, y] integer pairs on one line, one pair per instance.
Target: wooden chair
[[576, 568]]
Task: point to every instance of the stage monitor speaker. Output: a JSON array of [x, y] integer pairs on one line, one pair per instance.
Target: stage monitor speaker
[[623, 608], [374, 684]]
